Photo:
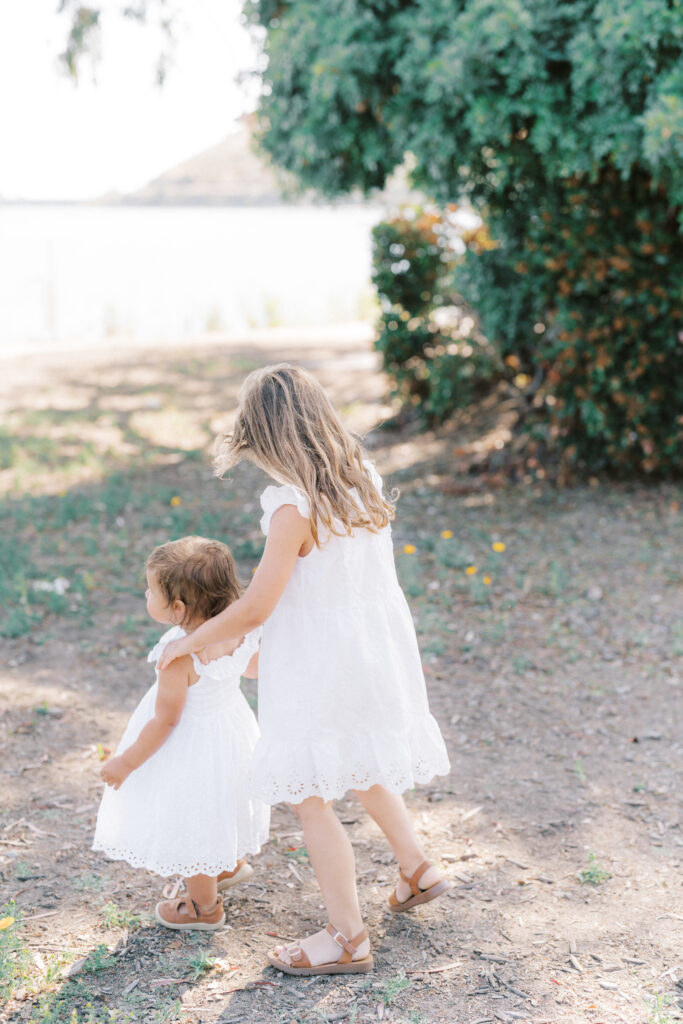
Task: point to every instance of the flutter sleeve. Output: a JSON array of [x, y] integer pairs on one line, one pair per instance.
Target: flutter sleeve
[[174, 633], [246, 650], [230, 666], [274, 498]]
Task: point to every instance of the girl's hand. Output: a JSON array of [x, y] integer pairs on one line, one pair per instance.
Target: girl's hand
[[176, 649], [115, 771], [215, 651]]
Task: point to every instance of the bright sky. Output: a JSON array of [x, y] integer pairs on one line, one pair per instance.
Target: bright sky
[[116, 129]]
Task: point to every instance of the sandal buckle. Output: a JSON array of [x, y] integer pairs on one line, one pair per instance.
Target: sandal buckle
[[337, 936]]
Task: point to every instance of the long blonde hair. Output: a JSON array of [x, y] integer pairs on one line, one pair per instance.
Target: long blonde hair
[[286, 425]]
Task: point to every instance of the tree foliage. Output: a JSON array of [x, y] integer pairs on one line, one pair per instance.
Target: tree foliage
[[487, 94], [85, 31], [562, 122]]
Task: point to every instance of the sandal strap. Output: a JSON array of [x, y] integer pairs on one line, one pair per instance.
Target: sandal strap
[[416, 876], [298, 958], [191, 908], [349, 946]]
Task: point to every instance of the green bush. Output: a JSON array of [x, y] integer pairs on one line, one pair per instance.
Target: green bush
[[430, 345], [517, 106], [612, 323]]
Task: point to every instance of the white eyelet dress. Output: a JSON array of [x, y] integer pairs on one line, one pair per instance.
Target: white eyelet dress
[[186, 809], [342, 697]]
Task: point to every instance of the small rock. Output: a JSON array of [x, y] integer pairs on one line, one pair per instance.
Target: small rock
[[594, 593]]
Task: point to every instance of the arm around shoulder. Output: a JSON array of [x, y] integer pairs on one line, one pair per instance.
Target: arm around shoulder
[[289, 532]]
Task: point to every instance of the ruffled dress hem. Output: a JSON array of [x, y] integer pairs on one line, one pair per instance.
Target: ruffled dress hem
[[293, 770], [184, 869]]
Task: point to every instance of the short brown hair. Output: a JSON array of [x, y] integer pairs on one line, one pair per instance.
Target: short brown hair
[[199, 572]]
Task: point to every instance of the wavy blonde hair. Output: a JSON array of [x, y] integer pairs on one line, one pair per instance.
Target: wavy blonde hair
[[286, 425]]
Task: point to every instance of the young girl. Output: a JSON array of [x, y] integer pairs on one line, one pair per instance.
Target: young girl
[[175, 802], [342, 699]]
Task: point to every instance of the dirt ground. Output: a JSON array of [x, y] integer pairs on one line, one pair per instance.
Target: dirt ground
[[554, 667]]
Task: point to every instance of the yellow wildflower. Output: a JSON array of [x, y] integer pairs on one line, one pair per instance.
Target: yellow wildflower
[[175, 501], [486, 580], [5, 923], [471, 570], [409, 549], [446, 534], [498, 545]]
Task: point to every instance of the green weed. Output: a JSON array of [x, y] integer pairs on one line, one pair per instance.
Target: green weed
[[116, 917], [393, 987], [594, 874], [88, 883], [658, 1006], [200, 963], [14, 955], [99, 960], [556, 582], [677, 639], [521, 664], [300, 854]]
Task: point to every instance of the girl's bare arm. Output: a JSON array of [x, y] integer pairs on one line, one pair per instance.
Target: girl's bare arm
[[171, 697], [251, 671], [289, 532]]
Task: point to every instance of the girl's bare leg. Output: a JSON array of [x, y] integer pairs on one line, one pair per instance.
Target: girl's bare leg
[[202, 889], [391, 814], [332, 858]]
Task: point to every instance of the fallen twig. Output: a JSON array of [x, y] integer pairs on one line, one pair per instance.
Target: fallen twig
[[435, 970]]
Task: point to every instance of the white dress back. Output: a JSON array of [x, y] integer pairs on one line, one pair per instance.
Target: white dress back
[[342, 697]]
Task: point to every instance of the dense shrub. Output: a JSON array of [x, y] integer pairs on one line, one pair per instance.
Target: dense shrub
[[612, 322], [430, 344], [519, 105]]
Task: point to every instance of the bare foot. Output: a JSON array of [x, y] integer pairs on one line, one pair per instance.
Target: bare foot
[[320, 948]]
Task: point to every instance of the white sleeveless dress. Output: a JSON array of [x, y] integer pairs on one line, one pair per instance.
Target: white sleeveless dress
[[342, 697], [186, 810]]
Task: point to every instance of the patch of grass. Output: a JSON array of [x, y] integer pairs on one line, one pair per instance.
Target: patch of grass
[[248, 550], [88, 883], [392, 987], [14, 955], [580, 771], [521, 664], [117, 917], [677, 639], [658, 1006], [594, 874], [299, 854], [99, 960], [410, 572], [496, 633], [200, 963], [556, 582], [59, 1008]]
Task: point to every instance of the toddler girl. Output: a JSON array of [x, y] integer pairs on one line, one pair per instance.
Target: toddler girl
[[175, 800], [342, 699]]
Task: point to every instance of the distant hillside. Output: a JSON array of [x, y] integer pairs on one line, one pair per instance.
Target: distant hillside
[[230, 173]]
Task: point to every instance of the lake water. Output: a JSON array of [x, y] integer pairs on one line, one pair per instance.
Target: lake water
[[88, 272]]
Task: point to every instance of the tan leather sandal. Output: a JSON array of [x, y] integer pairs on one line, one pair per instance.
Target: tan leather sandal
[[184, 915], [240, 873], [418, 895], [344, 965]]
